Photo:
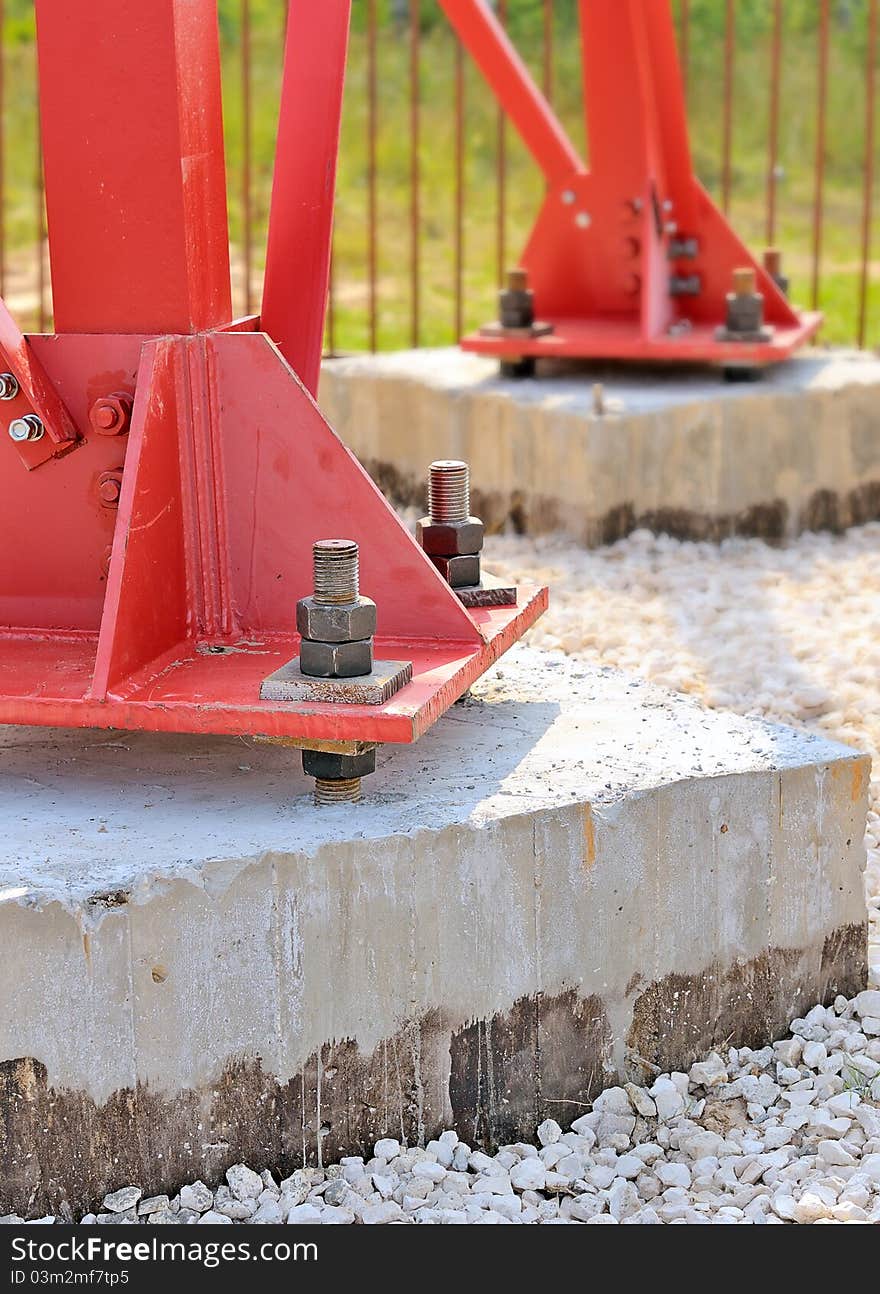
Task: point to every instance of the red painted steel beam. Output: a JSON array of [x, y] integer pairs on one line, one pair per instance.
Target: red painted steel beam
[[480, 31], [303, 190], [133, 156]]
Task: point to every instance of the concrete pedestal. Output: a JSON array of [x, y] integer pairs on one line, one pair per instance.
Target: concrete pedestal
[[676, 451], [573, 874]]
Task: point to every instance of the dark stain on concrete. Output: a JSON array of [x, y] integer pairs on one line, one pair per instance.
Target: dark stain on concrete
[[492, 1079], [680, 1017], [770, 520]]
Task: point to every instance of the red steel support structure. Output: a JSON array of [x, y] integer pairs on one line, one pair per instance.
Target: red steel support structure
[[608, 241], [169, 470]]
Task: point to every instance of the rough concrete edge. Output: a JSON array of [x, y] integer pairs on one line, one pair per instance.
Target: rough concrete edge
[[771, 519], [214, 876]]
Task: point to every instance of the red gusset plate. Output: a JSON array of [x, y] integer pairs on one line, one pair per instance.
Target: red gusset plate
[[168, 613]]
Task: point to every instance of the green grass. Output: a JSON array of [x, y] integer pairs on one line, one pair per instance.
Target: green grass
[[839, 285]]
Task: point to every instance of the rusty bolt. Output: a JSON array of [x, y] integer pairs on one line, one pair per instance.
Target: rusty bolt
[[111, 415], [773, 266], [338, 610], [110, 488], [773, 261], [516, 302], [450, 536], [745, 281], [338, 777]]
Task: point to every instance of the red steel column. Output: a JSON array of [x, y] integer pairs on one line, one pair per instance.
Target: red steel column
[[133, 155]]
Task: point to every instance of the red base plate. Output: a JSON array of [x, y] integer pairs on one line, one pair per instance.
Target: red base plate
[[622, 339], [215, 687]]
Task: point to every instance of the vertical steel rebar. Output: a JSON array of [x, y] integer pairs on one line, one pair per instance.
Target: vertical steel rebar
[[773, 123], [501, 153], [246, 119], [458, 254], [727, 127], [414, 174], [868, 173], [372, 101], [684, 42], [547, 52], [331, 301], [821, 127], [2, 154], [41, 224]]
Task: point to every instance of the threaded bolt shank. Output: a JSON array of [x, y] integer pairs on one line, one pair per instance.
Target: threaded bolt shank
[[336, 573], [773, 261], [337, 791], [744, 281], [449, 492]]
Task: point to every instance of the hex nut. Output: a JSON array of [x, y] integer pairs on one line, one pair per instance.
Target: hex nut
[[744, 313], [516, 309], [451, 538], [336, 660], [111, 414], [341, 623], [459, 572], [334, 767]]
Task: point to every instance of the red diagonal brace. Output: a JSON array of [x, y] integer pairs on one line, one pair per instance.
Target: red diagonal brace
[[301, 214]]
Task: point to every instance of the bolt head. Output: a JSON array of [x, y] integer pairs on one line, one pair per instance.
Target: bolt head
[[111, 415], [109, 489], [451, 538], [25, 429], [9, 387]]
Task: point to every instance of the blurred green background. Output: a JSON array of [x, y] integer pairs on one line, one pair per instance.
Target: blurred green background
[[845, 151]]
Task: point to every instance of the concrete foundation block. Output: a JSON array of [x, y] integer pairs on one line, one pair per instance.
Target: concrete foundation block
[[574, 875], [677, 451]]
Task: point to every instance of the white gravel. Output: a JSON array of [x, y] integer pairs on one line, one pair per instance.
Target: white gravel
[[790, 1133], [789, 633]]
